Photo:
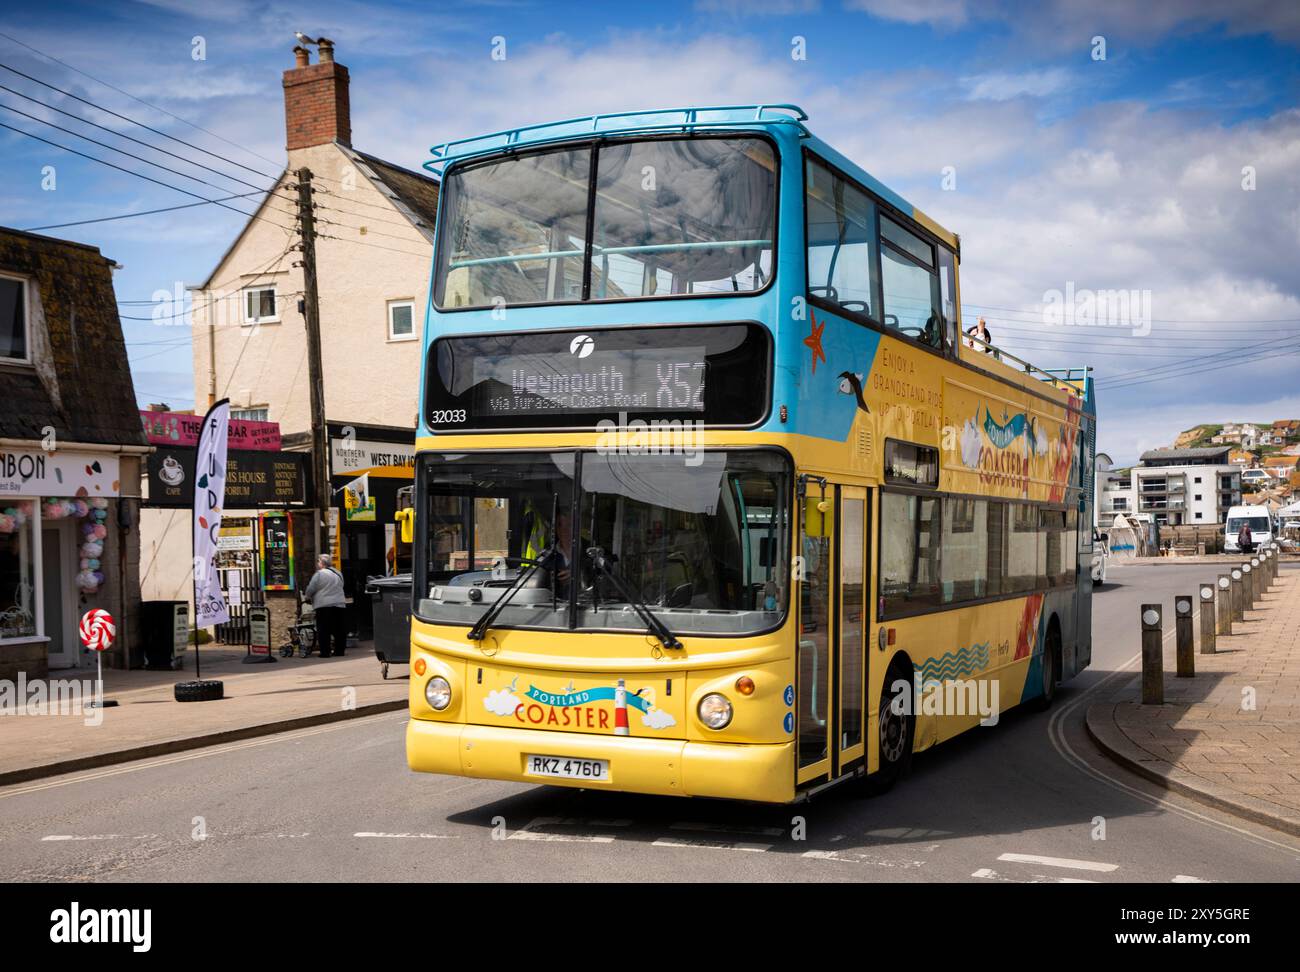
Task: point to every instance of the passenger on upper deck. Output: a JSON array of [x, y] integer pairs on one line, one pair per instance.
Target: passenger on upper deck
[[981, 331]]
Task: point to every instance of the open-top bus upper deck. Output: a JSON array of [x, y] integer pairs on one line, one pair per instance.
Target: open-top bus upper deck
[[733, 216]]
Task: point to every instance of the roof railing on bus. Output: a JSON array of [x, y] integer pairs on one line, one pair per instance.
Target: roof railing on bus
[[1059, 377], [624, 121]]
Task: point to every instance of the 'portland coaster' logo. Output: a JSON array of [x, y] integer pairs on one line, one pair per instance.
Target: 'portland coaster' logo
[[578, 709]]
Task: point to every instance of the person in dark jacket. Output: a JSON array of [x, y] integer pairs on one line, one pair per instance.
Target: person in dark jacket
[[981, 331]]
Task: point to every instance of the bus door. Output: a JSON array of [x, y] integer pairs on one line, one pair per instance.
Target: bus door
[[831, 657]]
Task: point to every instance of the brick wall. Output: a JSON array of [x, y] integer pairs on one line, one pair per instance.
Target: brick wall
[[316, 106]]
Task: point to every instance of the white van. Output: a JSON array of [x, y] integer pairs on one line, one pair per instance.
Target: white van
[[1261, 526]]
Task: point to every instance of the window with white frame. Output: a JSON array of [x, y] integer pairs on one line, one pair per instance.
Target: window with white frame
[[13, 318], [401, 320], [254, 413], [259, 305]]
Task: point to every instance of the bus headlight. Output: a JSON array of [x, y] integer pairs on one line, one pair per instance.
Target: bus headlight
[[437, 692], [715, 711]]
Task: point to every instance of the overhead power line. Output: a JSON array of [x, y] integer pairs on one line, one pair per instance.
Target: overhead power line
[[106, 84], [129, 138], [144, 212], [115, 114]]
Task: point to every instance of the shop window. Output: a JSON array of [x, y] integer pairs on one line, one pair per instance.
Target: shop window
[[18, 526]]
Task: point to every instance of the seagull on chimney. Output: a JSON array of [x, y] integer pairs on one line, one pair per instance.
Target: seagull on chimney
[[304, 39]]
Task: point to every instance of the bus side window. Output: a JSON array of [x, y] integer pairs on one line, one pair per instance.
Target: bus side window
[[911, 284], [948, 302]]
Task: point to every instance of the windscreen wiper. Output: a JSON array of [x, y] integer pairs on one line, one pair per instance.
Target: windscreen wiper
[[479, 631], [600, 561]]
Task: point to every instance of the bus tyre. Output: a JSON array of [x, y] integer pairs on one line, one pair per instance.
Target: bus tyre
[[1051, 668], [895, 734], [207, 690]]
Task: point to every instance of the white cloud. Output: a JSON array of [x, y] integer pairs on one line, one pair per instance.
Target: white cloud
[[938, 13], [1063, 23], [1002, 86], [758, 8]]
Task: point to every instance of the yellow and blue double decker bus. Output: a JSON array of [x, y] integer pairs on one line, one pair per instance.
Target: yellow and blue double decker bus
[[713, 495]]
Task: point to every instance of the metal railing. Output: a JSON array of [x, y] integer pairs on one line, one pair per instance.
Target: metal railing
[[1065, 379], [617, 122]]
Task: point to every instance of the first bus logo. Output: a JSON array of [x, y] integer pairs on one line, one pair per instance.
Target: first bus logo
[[582, 345]]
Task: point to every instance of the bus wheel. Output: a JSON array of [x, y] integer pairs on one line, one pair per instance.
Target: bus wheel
[[1051, 667], [896, 730]]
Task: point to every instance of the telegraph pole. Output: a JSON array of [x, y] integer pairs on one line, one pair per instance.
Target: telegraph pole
[[311, 311]]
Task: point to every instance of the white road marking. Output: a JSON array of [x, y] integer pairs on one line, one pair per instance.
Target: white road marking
[[526, 832], [850, 857], [370, 833], [729, 829], [712, 844], [99, 837], [989, 874], [562, 838], [1188, 879], [1058, 862]]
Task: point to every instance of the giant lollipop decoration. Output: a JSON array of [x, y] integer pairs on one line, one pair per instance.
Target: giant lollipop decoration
[[98, 633]]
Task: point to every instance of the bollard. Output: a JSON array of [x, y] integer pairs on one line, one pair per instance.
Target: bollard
[[1257, 578], [1153, 662], [1184, 649], [1248, 587], [1223, 604], [1238, 595], [1209, 641]]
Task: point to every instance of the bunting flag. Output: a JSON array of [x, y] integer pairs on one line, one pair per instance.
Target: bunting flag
[[209, 498], [357, 501]]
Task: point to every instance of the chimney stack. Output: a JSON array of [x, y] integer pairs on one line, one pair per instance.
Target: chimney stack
[[316, 106]]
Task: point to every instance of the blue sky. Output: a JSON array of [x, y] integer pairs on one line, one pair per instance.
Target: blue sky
[[1070, 171]]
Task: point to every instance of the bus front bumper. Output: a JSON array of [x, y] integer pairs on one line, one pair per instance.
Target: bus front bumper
[[668, 767]]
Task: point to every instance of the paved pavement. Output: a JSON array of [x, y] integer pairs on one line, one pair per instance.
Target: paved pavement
[[148, 720], [1028, 800], [1231, 734]]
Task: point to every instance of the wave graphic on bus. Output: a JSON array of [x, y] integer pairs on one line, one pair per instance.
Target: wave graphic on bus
[[954, 664]]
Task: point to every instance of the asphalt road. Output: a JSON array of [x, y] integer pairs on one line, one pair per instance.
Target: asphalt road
[[1017, 802]]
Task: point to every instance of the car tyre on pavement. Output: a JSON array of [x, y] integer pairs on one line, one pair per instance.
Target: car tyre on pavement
[[206, 690]]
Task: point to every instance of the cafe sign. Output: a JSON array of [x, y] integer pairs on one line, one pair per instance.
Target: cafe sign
[[253, 479]]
